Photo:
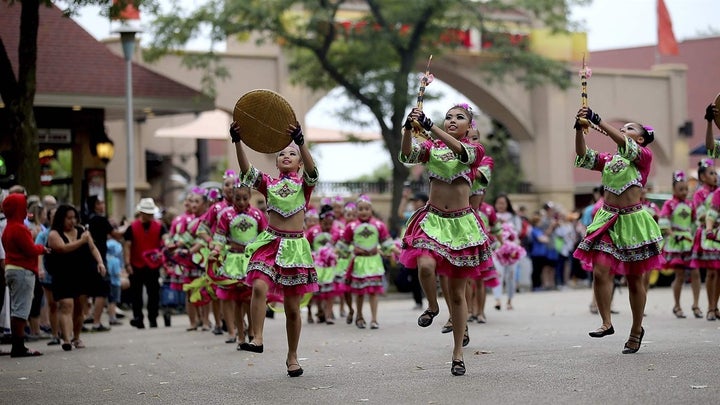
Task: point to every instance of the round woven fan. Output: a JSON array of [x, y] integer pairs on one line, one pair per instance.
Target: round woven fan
[[264, 117]]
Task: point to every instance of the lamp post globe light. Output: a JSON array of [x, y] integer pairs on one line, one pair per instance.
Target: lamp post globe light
[[127, 33], [105, 150]]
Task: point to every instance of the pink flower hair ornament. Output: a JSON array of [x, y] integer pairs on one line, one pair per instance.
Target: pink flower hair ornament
[[199, 191], [679, 175], [351, 206], [214, 194], [650, 130], [705, 163], [229, 173], [364, 198]]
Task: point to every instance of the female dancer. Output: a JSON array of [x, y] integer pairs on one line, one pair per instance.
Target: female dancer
[[312, 220], [368, 237], [623, 237], [322, 238], [510, 252], [712, 280], [476, 293], [446, 236], [207, 229], [344, 257], [187, 244], [676, 219], [280, 258], [237, 226], [177, 259]]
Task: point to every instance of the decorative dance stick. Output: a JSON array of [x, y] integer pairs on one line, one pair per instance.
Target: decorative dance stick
[[425, 80], [585, 73]]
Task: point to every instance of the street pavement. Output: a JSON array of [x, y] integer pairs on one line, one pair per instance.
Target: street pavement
[[538, 353]]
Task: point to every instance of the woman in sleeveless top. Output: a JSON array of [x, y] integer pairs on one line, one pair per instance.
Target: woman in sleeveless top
[[74, 256]]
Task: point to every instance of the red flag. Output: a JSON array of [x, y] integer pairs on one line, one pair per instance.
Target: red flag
[[130, 12], [667, 45]]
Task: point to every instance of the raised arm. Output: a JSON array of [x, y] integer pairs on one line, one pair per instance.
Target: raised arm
[[710, 113], [452, 143], [612, 132], [239, 151], [580, 145], [295, 132], [406, 143]]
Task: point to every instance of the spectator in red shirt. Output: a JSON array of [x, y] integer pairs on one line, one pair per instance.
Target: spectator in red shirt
[[21, 268]]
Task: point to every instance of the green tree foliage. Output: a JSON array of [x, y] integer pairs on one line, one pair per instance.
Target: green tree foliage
[[18, 89], [371, 56]]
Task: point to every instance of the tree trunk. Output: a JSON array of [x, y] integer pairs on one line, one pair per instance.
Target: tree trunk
[[26, 137]]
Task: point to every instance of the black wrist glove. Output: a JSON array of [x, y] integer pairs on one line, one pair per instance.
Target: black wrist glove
[[424, 121], [408, 123], [234, 134], [297, 135], [577, 125], [593, 117], [709, 113]]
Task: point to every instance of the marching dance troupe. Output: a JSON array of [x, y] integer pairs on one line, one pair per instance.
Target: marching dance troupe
[[234, 260]]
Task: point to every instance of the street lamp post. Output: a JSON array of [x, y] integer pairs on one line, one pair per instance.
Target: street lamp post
[[127, 37]]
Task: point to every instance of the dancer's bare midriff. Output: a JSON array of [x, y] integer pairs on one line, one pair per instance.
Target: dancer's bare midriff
[[450, 197], [627, 198]]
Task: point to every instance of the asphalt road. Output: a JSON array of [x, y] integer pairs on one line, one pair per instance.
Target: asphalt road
[[535, 354]]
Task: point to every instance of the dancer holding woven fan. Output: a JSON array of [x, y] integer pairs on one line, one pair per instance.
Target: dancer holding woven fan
[[280, 258], [623, 237], [445, 237]]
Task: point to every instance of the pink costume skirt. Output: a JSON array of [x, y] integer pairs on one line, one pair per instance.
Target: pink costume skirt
[[623, 239], [706, 252], [284, 261], [237, 292], [454, 239]]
